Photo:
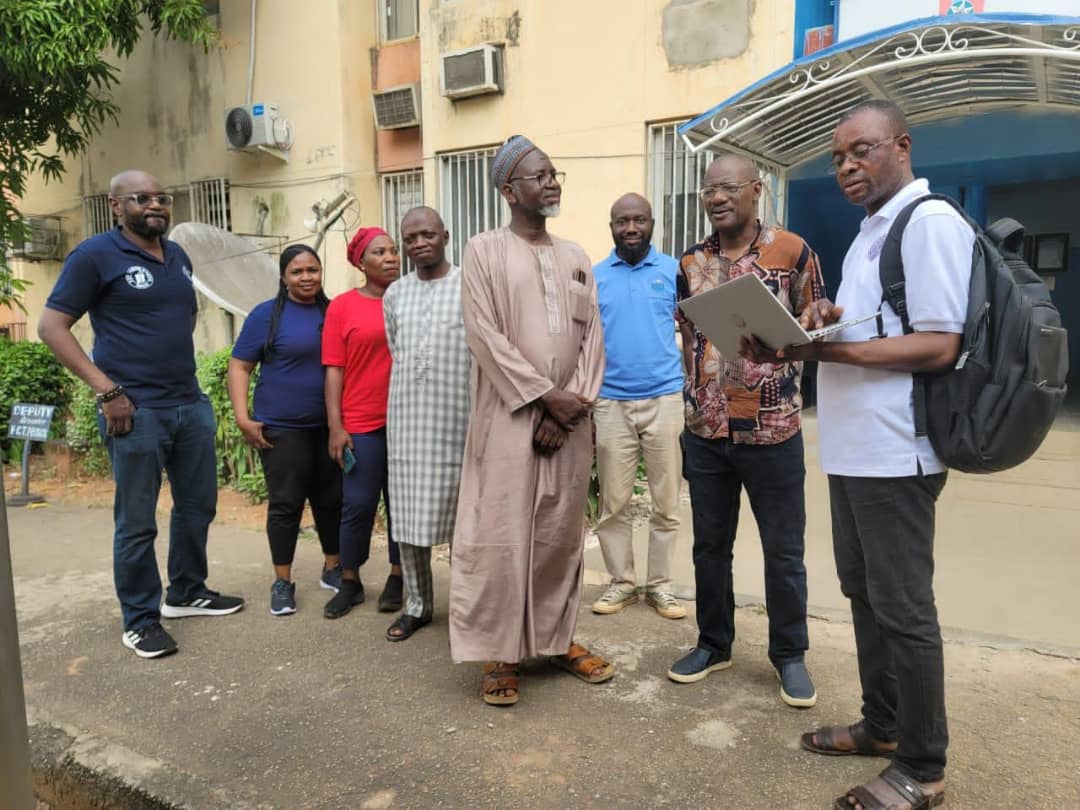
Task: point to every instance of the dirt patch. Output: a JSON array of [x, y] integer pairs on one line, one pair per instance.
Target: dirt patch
[[59, 480]]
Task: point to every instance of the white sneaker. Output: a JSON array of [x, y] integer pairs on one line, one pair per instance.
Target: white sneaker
[[615, 598], [665, 604]]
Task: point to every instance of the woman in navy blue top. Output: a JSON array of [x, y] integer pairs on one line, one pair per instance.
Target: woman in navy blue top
[[283, 336]]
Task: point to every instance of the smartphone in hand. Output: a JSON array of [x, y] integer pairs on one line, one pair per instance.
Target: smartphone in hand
[[348, 460]]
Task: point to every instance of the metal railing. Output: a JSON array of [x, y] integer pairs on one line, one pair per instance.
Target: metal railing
[[467, 200]]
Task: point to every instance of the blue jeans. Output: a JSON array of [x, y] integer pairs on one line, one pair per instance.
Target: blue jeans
[[180, 440], [360, 490], [773, 475]]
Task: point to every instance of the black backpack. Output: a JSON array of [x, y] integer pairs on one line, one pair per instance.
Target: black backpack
[[993, 409]]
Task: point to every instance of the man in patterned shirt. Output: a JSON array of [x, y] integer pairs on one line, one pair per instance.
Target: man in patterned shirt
[[428, 412], [743, 428]]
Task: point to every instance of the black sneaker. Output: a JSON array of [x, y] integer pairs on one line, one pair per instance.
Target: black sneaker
[[209, 603], [282, 597], [350, 595], [697, 664], [149, 641]]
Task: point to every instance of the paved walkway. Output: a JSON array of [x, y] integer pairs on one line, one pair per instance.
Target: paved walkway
[[300, 712]]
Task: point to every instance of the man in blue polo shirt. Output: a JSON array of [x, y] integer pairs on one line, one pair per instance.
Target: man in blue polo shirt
[[640, 410], [136, 286]]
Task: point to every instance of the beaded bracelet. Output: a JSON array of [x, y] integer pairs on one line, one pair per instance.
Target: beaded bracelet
[[111, 394]]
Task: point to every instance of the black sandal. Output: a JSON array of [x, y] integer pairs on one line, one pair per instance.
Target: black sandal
[[390, 598], [407, 625], [903, 785], [865, 745]]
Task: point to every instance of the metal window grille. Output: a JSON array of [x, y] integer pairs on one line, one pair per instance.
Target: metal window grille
[[97, 216], [400, 18], [469, 203], [400, 193], [676, 176], [209, 201]]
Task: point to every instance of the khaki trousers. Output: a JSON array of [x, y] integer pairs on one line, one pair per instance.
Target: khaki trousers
[[625, 429]]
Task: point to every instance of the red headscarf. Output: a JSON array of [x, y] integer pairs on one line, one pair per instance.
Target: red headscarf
[[360, 241]]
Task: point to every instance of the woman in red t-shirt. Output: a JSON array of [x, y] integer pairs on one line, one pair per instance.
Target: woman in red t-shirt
[[357, 360]]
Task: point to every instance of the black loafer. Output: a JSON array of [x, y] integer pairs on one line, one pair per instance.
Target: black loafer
[[348, 596], [697, 664], [390, 598]]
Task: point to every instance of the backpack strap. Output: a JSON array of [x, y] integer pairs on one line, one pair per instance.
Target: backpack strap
[[891, 274]]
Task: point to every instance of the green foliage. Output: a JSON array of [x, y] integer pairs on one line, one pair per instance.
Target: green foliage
[[30, 373], [238, 464], [55, 86], [82, 429]]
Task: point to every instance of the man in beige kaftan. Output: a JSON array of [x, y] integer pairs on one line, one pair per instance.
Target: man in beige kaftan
[[533, 326]]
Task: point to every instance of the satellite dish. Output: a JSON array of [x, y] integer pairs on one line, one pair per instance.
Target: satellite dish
[[234, 272]]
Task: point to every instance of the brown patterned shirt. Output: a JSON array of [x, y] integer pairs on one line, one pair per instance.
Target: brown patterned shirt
[[749, 403]]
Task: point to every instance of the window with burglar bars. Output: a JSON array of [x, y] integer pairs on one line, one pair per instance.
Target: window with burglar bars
[[676, 176], [400, 18], [209, 200], [97, 216], [400, 193], [467, 200]]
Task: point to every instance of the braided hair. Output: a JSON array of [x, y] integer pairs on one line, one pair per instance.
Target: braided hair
[[287, 255]]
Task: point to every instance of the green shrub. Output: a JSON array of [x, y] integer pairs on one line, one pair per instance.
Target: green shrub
[[30, 373], [238, 464], [82, 429]]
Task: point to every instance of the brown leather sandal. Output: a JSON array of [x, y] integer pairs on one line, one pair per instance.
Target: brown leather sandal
[[583, 664], [824, 741], [499, 685]]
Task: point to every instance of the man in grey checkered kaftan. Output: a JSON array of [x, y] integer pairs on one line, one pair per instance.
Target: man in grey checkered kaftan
[[427, 419]]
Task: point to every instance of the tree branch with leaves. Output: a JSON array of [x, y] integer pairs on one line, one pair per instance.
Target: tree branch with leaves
[[55, 87]]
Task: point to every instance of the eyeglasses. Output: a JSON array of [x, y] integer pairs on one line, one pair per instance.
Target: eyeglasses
[[858, 154], [142, 199], [727, 189], [544, 178]]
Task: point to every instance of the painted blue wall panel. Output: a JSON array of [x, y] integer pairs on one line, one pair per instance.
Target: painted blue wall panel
[[811, 14]]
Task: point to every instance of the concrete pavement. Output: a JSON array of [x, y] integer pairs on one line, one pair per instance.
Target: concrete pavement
[[300, 712]]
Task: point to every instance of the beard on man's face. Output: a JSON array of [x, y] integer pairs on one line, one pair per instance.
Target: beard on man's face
[[633, 253], [549, 211], [149, 224]]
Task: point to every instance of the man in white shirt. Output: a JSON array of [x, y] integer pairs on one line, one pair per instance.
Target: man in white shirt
[[884, 480]]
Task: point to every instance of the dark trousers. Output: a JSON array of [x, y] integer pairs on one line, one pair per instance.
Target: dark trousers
[[883, 539], [299, 468], [773, 475], [180, 440], [360, 490]]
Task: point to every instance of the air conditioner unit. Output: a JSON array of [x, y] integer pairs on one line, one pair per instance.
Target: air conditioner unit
[[397, 107], [472, 72], [42, 240], [256, 126]]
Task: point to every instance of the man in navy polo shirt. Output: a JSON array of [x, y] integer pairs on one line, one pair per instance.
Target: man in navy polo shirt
[[136, 286], [640, 409]]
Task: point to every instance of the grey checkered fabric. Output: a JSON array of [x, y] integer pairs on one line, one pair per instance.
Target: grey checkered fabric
[[416, 574], [428, 411]]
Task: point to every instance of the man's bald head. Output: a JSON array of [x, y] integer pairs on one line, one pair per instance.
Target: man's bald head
[[425, 214], [632, 227], [733, 166], [632, 202], [133, 180], [424, 238], [138, 205]]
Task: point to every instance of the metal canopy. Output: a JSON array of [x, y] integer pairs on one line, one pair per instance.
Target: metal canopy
[[934, 68]]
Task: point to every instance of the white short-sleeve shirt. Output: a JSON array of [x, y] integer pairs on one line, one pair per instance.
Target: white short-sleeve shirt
[[866, 420]]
